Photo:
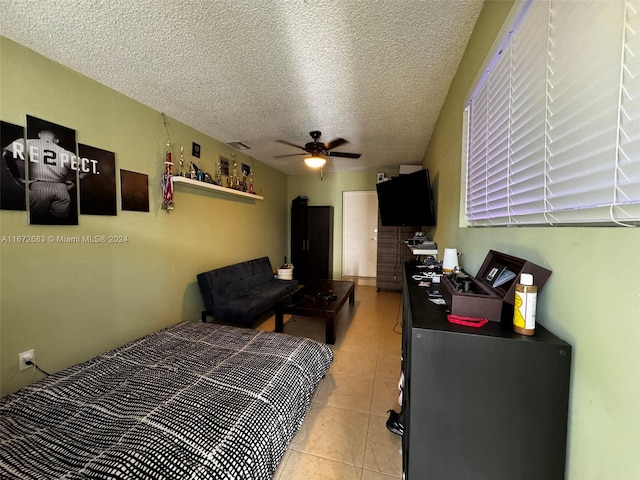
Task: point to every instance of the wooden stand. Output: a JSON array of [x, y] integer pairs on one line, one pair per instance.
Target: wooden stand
[[392, 253]]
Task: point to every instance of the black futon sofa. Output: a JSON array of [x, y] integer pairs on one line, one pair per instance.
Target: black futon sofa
[[239, 293]]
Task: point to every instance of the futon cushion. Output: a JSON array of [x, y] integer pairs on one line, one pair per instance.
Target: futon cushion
[[242, 291]]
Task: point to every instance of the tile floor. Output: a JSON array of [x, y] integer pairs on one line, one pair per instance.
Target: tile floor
[[343, 436]]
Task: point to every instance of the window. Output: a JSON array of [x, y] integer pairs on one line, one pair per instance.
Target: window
[[552, 129]]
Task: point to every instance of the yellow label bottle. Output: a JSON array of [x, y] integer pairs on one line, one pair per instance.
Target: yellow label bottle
[[524, 306]]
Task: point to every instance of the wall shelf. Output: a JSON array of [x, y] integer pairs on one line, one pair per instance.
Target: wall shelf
[[210, 186]]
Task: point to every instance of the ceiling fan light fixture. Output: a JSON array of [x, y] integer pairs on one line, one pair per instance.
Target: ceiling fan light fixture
[[315, 161]]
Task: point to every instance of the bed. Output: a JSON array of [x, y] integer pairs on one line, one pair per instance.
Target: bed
[[192, 401]]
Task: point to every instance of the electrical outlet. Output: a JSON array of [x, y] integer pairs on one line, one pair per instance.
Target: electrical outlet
[[24, 357]]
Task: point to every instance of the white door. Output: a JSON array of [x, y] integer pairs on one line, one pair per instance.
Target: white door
[[359, 234]]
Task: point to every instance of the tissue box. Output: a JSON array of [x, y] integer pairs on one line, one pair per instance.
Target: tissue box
[[285, 273]]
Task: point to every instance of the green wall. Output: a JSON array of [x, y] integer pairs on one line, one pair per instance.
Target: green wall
[[72, 301], [592, 299]]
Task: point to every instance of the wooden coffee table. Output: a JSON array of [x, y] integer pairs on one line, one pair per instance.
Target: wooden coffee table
[[314, 299]]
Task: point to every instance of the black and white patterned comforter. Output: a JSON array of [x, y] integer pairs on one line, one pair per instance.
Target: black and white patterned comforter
[[193, 401]]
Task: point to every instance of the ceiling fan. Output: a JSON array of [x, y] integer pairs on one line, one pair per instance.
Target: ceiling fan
[[319, 150]]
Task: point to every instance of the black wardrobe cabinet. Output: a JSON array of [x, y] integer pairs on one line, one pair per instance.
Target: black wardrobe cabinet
[[480, 403], [312, 242]]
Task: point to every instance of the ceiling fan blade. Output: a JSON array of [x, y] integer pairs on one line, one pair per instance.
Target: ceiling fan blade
[[290, 155], [343, 154], [335, 143], [291, 144]]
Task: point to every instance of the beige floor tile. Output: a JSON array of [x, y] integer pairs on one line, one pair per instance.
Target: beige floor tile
[[389, 367], [309, 467], [385, 397], [349, 319], [355, 363], [366, 304], [390, 316], [388, 326], [382, 452], [345, 391], [390, 341], [360, 339], [358, 317], [365, 281], [333, 433], [370, 475]]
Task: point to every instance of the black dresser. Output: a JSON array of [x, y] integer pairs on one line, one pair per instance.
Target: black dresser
[[480, 403]]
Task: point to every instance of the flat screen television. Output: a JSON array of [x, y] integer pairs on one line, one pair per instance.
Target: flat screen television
[[406, 200]]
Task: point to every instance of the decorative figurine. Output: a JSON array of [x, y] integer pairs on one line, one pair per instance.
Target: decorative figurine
[[193, 172]]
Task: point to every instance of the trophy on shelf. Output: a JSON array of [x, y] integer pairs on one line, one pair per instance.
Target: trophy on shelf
[[218, 180], [182, 172], [251, 181], [235, 182], [243, 185], [193, 171]]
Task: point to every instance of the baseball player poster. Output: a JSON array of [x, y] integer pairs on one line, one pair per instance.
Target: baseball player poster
[[52, 173], [98, 185], [45, 163], [12, 177]]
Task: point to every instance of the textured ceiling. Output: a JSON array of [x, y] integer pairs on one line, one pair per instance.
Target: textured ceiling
[[374, 72]]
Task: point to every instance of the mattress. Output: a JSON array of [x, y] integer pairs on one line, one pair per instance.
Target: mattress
[[194, 400]]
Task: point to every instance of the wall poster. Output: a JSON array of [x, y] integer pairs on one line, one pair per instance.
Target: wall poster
[[98, 185], [12, 178], [43, 168], [135, 191], [50, 151]]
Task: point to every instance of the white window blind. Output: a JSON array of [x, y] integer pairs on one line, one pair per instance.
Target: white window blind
[[552, 132]]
